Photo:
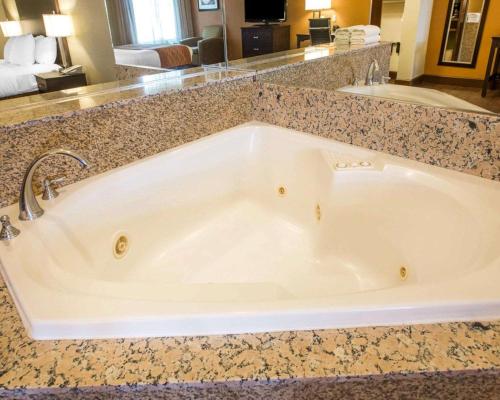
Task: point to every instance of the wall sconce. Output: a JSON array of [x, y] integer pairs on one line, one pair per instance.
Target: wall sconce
[[11, 28]]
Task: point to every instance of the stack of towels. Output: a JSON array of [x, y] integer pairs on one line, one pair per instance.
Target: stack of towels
[[358, 34]]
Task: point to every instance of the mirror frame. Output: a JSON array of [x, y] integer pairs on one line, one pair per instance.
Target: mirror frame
[[473, 62]]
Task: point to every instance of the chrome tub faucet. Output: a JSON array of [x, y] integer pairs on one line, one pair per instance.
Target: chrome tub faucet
[[374, 68], [29, 209]]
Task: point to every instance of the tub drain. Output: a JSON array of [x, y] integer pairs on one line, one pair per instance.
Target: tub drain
[[120, 246]]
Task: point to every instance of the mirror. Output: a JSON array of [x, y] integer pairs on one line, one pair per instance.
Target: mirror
[[463, 29], [162, 33], [59, 47], [113, 40]]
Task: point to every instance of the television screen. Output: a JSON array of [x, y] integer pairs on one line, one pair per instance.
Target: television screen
[[265, 10]]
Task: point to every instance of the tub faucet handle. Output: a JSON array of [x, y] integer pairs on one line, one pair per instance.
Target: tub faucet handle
[[49, 190], [8, 232]]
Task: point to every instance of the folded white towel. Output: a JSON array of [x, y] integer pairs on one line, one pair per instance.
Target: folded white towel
[[367, 30], [348, 29], [366, 40], [342, 36]]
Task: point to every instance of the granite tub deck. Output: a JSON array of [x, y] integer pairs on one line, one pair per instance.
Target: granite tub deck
[[455, 361]]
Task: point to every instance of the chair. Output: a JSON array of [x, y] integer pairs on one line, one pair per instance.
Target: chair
[[320, 31], [209, 48]]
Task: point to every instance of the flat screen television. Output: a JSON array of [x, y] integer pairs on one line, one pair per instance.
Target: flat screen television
[[265, 10]]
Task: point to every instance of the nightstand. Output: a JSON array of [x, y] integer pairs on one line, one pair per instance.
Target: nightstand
[[52, 81]]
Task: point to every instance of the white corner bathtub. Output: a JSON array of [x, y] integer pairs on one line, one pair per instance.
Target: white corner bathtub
[[254, 229]]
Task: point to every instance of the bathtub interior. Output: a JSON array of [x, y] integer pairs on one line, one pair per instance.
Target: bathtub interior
[[258, 214]]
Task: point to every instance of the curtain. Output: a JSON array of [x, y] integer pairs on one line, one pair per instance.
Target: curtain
[[155, 21], [122, 22], [183, 19]]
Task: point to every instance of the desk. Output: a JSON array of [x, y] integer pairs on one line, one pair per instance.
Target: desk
[[302, 37], [495, 47]]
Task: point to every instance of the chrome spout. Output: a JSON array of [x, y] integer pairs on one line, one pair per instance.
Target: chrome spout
[[29, 209]]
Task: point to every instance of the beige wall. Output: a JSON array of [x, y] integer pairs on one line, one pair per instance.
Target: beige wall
[[30, 13], [392, 21], [414, 38], [91, 45], [392, 26], [491, 28], [11, 9], [348, 12], [2, 38]]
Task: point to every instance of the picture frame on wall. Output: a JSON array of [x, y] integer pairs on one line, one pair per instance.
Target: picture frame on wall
[[208, 5]]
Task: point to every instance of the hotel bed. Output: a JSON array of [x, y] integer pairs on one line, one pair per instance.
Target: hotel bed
[[143, 58], [25, 56], [172, 56], [20, 79]]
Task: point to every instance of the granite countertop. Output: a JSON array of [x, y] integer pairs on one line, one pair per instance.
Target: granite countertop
[[277, 61], [29, 108], [31, 365]]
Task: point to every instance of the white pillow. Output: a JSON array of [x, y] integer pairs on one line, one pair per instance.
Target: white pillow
[[45, 50], [22, 51], [8, 49]]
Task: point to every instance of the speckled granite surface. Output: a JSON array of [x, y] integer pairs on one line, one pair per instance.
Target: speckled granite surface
[[466, 142], [24, 110], [272, 366], [330, 73], [123, 72]]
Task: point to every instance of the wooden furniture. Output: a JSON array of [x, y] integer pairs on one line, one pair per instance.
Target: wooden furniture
[[207, 48], [489, 75], [264, 39], [53, 81], [303, 37]]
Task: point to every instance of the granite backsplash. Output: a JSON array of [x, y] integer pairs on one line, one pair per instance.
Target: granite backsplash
[[329, 73]]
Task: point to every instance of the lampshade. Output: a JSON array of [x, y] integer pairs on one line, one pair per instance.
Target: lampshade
[[11, 28], [316, 5], [58, 25]]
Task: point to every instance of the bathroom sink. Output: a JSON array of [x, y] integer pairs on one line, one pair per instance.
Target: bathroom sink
[[255, 229], [414, 94]]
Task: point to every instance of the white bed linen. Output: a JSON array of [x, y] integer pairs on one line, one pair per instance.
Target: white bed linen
[[143, 58], [19, 79]]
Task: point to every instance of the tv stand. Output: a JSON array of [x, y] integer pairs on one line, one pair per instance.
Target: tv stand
[[267, 23], [265, 39]]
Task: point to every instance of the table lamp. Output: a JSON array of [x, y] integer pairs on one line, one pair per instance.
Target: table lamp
[[11, 28], [60, 26], [318, 5]]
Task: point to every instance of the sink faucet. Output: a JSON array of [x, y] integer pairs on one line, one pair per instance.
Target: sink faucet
[[374, 67], [29, 209]]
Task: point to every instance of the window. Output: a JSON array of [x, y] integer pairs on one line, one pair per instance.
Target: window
[[155, 21]]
